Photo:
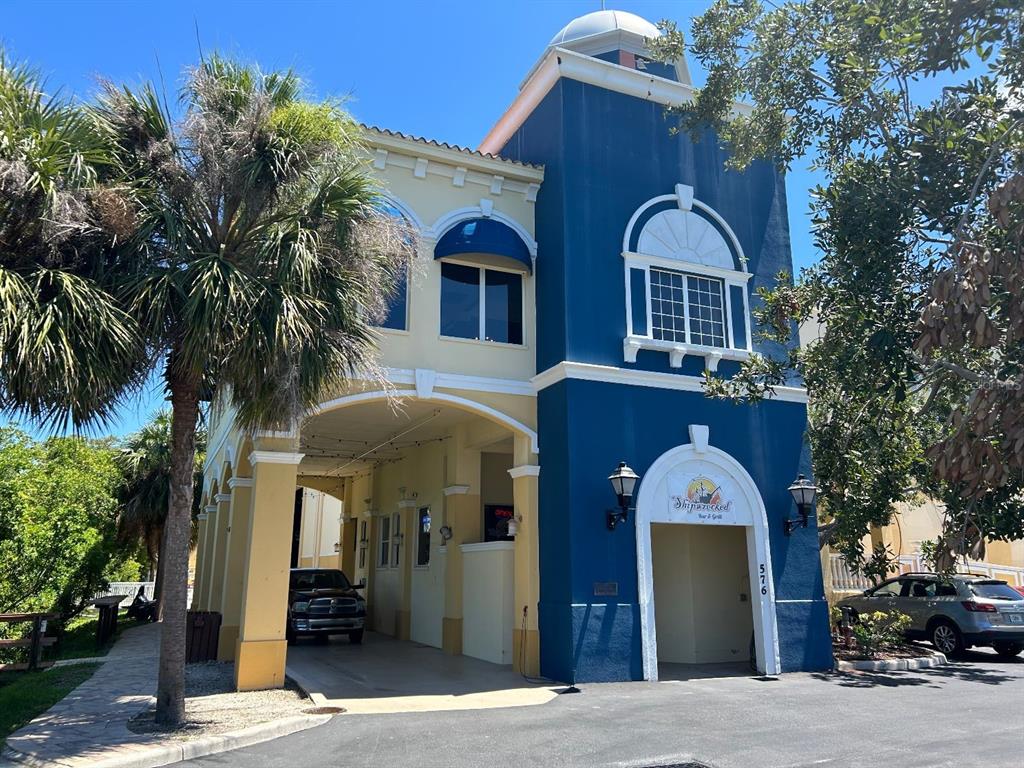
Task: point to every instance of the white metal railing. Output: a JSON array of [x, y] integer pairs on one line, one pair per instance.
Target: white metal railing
[[128, 589], [845, 580]]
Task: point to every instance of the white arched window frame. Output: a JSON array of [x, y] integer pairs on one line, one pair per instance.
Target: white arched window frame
[[707, 260]]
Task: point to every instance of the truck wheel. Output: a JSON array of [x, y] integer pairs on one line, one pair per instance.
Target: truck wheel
[[947, 638], [1008, 650]]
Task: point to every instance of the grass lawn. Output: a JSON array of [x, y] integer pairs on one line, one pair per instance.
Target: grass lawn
[[23, 695], [79, 641]]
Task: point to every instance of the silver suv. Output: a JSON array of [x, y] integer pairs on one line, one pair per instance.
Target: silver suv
[[953, 612]]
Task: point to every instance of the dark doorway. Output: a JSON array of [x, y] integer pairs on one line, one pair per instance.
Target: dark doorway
[[296, 528]]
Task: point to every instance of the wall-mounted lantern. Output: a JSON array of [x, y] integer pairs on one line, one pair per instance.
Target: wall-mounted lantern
[[623, 480], [804, 492]]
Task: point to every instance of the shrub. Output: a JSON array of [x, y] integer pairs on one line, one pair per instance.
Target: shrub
[[880, 631]]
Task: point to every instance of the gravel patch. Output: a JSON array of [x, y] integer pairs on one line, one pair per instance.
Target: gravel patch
[[213, 707]]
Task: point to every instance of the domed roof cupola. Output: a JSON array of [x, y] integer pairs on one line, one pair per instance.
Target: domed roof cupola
[[618, 37]]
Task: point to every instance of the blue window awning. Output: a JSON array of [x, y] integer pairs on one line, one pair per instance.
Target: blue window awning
[[483, 236]]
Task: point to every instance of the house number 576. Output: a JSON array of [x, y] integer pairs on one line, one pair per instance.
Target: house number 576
[[764, 579]]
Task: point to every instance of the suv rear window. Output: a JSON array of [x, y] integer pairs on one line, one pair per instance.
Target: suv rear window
[[319, 580], [995, 590]]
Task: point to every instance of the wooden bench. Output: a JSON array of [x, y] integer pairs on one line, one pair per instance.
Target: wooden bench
[[35, 642]]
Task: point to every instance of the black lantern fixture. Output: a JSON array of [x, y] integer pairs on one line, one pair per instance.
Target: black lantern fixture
[[804, 492], [623, 481]]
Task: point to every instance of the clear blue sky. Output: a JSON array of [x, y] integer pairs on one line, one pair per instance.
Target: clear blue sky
[[445, 69]]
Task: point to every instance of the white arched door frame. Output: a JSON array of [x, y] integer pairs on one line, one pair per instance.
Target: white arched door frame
[[650, 508]]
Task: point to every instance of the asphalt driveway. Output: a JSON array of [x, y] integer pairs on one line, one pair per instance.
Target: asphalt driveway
[[967, 714]]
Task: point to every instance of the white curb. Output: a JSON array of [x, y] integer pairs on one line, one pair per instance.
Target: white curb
[[892, 665], [165, 754]]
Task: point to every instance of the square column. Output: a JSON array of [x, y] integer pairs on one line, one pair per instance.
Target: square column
[[219, 551], [239, 511], [262, 647], [209, 550], [199, 585], [525, 638]]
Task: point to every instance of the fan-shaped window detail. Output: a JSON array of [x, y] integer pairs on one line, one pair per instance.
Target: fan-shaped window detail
[[398, 306], [686, 282], [685, 236]]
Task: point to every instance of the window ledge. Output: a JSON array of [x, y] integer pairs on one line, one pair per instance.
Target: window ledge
[[631, 345]]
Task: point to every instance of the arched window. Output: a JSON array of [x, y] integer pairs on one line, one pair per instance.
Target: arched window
[[484, 264], [686, 282], [397, 318]]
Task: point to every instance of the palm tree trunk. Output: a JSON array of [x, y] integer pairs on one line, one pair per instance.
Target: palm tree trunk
[[158, 587], [170, 697]]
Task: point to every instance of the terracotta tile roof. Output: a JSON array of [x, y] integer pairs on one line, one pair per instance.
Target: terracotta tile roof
[[446, 145]]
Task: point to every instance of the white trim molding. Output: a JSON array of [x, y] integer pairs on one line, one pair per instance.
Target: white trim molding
[[524, 470], [450, 219], [463, 381], [561, 62], [222, 498], [275, 457], [487, 546], [465, 404], [746, 509], [677, 351], [211, 509], [239, 482], [202, 516], [455, 490], [637, 378]]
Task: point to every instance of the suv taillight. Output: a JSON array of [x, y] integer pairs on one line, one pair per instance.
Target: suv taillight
[[974, 607]]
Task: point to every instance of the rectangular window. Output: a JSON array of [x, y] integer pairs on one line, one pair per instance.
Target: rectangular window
[[460, 301], [479, 303], [423, 537], [385, 541], [396, 538], [398, 306], [687, 309], [503, 306], [361, 544]]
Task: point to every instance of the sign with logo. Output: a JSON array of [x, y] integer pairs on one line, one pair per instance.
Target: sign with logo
[[701, 499]]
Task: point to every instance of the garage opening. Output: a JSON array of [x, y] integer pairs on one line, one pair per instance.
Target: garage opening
[[702, 600]]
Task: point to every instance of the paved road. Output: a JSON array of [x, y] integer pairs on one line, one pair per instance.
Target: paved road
[[968, 714]]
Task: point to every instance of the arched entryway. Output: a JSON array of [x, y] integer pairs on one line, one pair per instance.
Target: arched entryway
[[699, 485]]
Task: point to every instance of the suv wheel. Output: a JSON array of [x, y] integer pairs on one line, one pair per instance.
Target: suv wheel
[[946, 638], [1008, 650]]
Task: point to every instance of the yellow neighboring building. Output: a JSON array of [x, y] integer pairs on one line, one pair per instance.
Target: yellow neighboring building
[[392, 474], [912, 525]]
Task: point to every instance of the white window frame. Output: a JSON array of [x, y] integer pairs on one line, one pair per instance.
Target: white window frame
[[384, 551], [396, 540], [676, 350], [482, 286]]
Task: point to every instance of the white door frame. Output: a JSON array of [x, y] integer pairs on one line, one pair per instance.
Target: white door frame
[[653, 507]]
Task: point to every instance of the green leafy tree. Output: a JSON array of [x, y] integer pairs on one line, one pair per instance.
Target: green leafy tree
[[236, 242], [58, 522], [145, 462], [917, 383]]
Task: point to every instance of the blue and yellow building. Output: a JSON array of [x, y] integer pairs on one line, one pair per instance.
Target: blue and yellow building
[[577, 275]]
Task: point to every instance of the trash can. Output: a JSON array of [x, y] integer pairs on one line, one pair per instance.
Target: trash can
[[202, 633]]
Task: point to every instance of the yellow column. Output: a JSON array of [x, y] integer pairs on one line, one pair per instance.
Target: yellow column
[[234, 568], [220, 549], [526, 500], [203, 600], [525, 640], [262, 648], [464, 515], [199, 585]]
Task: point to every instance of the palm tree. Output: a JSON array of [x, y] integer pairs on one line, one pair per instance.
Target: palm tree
[[245, 243], [145, 462], [68, 351]]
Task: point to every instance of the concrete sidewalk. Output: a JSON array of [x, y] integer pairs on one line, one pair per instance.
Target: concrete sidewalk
[[90, 723]]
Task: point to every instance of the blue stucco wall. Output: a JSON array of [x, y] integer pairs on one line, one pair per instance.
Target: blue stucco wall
[[605, 154], [586, 428]]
